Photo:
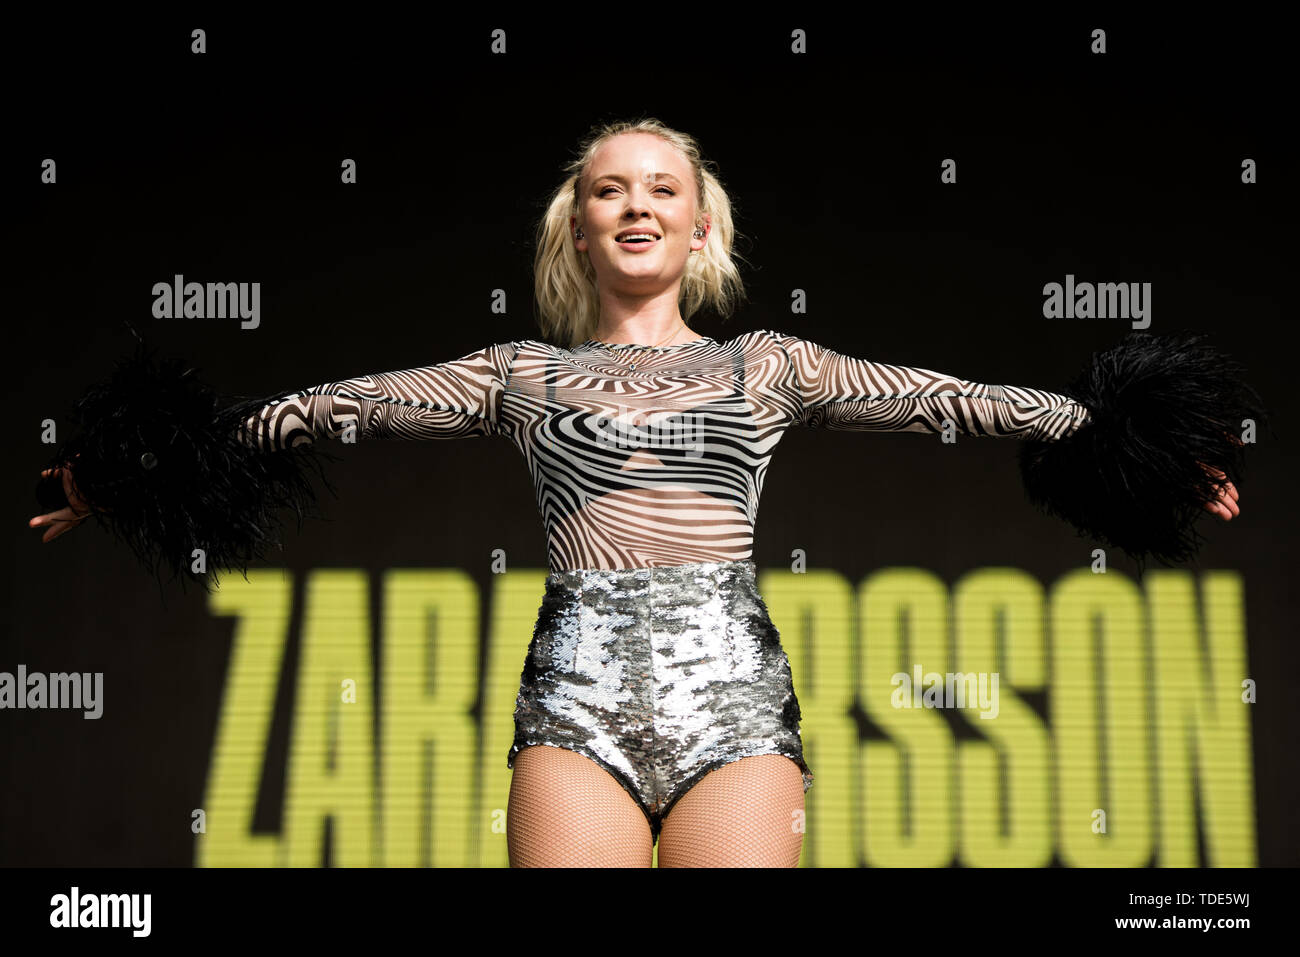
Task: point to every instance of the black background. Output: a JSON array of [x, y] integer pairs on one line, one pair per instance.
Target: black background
[[224, 167]]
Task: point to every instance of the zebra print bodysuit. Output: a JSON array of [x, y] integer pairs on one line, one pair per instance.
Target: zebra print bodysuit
[[651, 456]]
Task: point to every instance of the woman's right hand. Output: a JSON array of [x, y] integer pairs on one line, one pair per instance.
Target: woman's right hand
[[64, 519]]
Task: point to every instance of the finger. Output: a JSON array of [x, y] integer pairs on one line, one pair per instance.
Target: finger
[[59, 515], [59, 528], [1224, 490], [1230, 503], [78, 504], [56, 531], [64, 520], [1225, 497]]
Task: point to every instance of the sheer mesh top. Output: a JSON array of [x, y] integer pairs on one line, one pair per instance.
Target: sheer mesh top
[[643, 456]]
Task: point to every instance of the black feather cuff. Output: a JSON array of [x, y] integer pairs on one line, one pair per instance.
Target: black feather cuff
[[1131, 477], [167, 470]]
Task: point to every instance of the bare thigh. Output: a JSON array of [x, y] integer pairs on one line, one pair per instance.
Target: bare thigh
[[744, 814], [567, 811]]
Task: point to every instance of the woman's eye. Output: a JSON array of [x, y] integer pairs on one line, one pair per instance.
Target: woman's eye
[[666, 190]]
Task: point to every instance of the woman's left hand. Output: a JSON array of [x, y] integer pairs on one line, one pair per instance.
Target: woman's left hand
[[1224, 504]]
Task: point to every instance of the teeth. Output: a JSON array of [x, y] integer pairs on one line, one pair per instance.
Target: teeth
[[630, 236]]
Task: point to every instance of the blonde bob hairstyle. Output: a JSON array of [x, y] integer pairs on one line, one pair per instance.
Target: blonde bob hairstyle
[[564, 282]]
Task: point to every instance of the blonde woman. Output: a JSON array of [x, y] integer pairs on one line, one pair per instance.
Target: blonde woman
[[656, 701]]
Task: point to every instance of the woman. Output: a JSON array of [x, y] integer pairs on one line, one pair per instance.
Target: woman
[[656, 701]]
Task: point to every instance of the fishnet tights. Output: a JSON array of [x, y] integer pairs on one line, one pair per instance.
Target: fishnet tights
[[567, 811]]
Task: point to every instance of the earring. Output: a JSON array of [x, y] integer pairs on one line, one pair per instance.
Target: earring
[[578, 235]]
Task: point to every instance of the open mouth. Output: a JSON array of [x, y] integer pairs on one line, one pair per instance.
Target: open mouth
[[637, 239]]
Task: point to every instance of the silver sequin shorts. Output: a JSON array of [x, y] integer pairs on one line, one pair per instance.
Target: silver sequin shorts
[[659, 675]]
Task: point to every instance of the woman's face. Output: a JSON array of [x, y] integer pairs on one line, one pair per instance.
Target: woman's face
[[638, 183]]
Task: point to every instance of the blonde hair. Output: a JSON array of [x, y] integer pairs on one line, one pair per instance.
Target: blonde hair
[[564, 282]]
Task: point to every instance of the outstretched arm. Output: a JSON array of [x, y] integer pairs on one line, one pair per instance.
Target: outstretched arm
[[840, 392], [1143, 443], [457, 399], [169, 468]]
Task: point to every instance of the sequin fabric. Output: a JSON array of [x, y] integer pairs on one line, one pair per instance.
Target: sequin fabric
[[659, 675]]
